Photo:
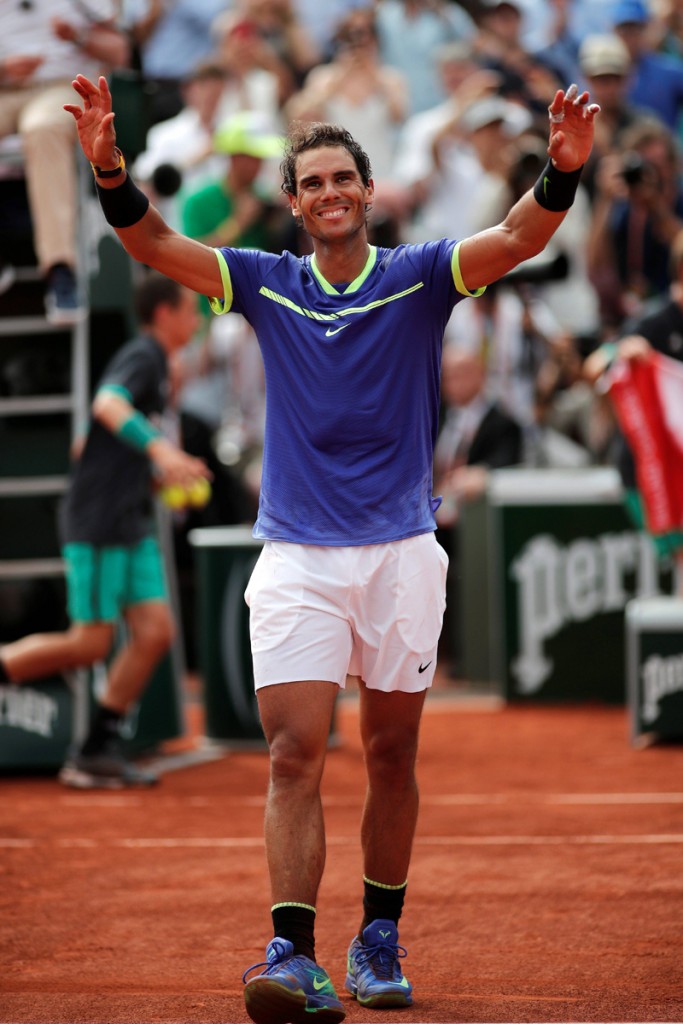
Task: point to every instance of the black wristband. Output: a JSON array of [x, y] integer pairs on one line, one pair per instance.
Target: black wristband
[[555, 190], [124, 205]]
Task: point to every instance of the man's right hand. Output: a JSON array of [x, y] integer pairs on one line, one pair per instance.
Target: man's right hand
[[173, 466], [95, 122]]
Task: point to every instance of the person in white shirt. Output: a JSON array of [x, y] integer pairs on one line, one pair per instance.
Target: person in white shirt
[[43, 44]]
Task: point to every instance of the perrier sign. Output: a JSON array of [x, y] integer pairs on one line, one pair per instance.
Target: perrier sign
[[566, 560]]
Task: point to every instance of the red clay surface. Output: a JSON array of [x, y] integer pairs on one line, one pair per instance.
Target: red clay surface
[[547, 880]]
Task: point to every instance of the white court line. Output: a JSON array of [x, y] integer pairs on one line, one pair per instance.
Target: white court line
[[115, 800], [249, 842], [579, 799]]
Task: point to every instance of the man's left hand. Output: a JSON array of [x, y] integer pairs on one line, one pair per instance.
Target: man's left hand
[[571, 128]]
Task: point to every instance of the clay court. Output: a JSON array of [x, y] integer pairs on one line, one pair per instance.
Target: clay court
[[546, 881]]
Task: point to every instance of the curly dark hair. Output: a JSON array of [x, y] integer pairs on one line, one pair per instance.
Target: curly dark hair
[[317, 135]]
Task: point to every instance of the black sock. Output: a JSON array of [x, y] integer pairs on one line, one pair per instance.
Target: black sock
[[4, 677], [104, 725], [296, 923], [381, 902]]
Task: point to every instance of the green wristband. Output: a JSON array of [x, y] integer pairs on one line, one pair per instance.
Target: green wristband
[[137, 431], [610, 349]]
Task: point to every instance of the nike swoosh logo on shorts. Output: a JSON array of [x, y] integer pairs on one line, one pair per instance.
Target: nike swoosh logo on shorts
[[422, 668]]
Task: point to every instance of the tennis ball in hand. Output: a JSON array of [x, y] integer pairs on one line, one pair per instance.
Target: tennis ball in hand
[[174, 496], [199, 493]]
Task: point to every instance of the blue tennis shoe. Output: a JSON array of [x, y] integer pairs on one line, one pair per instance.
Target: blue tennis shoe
[[374, 975], [291, 990]]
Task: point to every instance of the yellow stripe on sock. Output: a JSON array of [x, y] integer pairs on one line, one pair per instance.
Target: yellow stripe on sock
[[305, 906], [383, 885]]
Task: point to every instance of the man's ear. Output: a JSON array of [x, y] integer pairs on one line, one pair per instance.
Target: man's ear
[[293, 205]]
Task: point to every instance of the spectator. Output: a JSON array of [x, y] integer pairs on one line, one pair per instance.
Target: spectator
[[638, 210], [656, 80], [280, 25], [172, 39], [114, 566], [667, 33], [475, 433], [575, 18], [500, 47], [605, 63], [40, 46], [437, 169], [231, 210], [434, 163], [410, 34], [321, 20], [493, 127], [570, 429], [560, 49], [180, 149], [253, 61]]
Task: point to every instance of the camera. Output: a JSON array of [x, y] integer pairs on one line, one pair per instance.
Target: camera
[[635, 170]]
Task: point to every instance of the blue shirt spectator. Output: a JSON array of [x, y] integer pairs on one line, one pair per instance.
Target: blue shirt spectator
[[656, 80], [410, 34], [180, 39]]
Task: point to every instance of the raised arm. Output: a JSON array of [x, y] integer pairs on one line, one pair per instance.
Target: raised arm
[[488, 255], [146, 236]]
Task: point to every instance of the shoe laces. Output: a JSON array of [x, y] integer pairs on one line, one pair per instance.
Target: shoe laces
[[281, 955], [381, 957]]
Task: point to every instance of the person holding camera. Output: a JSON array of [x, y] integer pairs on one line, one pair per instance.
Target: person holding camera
[[637, 212]]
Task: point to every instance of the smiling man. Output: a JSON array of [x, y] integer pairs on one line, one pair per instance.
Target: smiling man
[[351, 581]]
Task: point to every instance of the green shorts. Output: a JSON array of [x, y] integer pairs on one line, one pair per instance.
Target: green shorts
[[103, 581]]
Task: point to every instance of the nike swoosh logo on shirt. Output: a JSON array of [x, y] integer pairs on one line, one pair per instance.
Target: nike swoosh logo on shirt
[[330, 331]]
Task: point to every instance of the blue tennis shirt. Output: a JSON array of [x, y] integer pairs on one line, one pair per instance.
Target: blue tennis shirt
[[352, 389]]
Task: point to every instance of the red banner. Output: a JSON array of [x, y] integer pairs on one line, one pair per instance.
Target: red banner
[[648, 399]]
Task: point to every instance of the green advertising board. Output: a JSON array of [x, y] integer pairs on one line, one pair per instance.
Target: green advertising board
[[564, 561], [654, 656], [225, 558], [36, 722]]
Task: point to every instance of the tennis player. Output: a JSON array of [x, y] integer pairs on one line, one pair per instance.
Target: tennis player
[[350, 580]]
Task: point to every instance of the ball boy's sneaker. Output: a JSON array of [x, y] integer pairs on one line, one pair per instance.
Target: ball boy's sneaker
[[108, 769], [374, 975], [291, 990]]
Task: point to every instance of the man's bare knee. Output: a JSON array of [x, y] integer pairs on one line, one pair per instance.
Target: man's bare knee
[[296, 759], [391, 754], [153, 628]]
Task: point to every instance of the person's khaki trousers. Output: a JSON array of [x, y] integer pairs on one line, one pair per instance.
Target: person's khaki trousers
[[48, 135]]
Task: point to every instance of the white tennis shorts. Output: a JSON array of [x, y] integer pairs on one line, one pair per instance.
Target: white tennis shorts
[[327, 612]]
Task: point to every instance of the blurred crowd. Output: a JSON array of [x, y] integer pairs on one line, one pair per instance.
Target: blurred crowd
[[450, 101]]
